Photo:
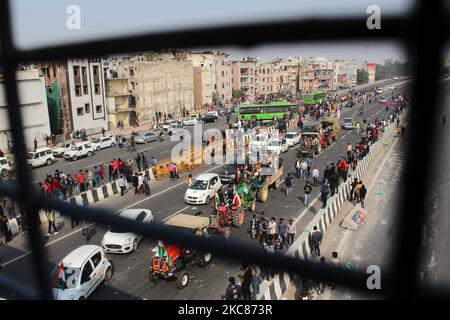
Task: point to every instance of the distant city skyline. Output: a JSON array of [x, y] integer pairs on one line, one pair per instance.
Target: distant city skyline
[[376, 52]]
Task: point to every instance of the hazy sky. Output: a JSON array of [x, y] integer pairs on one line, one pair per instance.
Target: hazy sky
[[43, 22]]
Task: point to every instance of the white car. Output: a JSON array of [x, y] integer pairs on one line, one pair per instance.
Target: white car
[[192, 121], [79, 150], [102, 143], [395, 78], [383, 100], [260, 140], [392, 87], [277, 146], [348, 124], [77, 275], [292, 138], [40, 157], [63, 148], [120, 241], [167, 124], [4, 164], [378, 91], [203, 188]]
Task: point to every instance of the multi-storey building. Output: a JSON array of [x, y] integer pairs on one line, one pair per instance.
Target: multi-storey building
[[244, 76], [264, 75], [344, 73], [33, 107], [370, 67], [57, 87], [120, 100], [87, 94], [163, 86], [223, 78]]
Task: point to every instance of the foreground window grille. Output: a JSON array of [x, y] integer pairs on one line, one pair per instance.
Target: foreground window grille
[[412, 31]]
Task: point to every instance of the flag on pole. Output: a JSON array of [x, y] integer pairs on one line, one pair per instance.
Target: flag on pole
[[216, 200], [61, 281]]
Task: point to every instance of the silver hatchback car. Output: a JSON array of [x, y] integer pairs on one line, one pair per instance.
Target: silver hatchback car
[[145, 137]]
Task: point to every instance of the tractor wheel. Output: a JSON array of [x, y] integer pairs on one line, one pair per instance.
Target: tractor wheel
[[238, 218], [152, 277], [226, 232], [263, 194], [202, 259], [183, 280]]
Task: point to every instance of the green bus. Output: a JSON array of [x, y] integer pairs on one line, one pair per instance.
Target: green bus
[[314, 98], [269, 111]]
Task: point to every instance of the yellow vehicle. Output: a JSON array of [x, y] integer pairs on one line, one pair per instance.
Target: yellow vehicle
[[331, 123], [194, 114]]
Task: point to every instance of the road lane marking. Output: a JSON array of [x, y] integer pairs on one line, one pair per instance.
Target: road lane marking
[[170, 188], [46, 245], [174, 214]]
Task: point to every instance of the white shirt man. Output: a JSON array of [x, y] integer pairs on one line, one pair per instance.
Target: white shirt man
[[140, 180], [272, 227], [315, 175]]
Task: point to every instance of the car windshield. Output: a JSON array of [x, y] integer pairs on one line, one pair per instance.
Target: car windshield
[[290, 135], [30, 155], [95, 140], [64, 280], [199, 185], [115, 230], [275, 143]]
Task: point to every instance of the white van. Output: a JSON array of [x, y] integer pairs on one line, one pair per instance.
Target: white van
[[77, 275], [40, 157], [79, 150]]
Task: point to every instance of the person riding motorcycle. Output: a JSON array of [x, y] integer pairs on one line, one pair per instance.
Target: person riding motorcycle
[[161, 135]]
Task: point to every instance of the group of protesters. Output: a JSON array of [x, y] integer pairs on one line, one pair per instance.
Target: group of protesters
[[65, 186]]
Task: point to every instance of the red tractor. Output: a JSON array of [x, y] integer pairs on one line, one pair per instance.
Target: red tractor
[[173, 266], [225, 216]]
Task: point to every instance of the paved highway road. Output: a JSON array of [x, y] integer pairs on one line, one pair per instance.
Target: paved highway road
[[130, 280]]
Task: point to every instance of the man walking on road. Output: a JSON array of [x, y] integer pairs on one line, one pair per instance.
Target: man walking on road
[[282, 231], [246, 282], [50, 213], [297, 168], [324, 192], [303, 169], [138, 162], [307, 190], [122, 185], [362, 194], [315, 175], [288, 182], [291, 232], [272, 227], [315, 241], [308, 166]]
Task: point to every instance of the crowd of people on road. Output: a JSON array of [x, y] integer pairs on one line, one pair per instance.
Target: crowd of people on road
[[65, 186]]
